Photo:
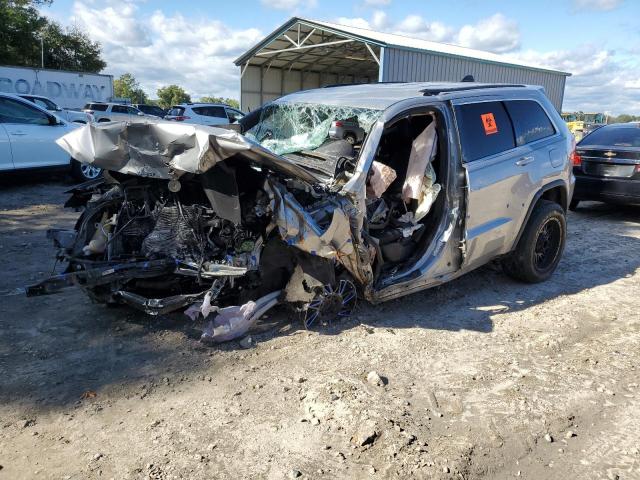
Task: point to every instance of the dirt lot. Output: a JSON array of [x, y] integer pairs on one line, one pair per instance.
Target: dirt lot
[[482, 378]]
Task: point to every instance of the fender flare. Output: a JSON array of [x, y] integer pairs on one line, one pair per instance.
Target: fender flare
[[534, 202]]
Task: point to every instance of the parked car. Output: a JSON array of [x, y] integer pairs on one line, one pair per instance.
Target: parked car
[[28, 135], [153, 110], [448, 178], [51, 106], [204, 113], [607, 165], [348, 130], [114, 112]]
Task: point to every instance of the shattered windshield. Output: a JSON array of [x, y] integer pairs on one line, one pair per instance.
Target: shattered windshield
[[294, 127]]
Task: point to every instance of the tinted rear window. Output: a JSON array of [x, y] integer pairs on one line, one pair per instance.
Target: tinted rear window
[[98, 107], [485, 129], [614, 136], [176, 112], [218, 112], [530, 121]]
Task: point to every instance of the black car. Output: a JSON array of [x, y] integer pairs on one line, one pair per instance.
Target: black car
[[151, 110], [606, 164]]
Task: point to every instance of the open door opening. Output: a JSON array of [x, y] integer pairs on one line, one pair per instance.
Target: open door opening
[[406, 201]]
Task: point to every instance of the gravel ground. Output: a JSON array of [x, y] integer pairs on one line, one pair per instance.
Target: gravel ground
[[483, 378]]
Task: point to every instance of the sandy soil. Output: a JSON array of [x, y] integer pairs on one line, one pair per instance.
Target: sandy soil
[[483, 378]]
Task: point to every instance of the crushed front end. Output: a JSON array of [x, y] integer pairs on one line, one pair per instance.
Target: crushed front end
[[202, 219]]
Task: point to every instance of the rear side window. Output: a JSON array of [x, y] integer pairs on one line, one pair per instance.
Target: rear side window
[[211, 111], [119, 109], [176, 112], [530, 121], [485, 130], [98, 107]]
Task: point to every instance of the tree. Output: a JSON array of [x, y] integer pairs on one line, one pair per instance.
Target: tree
[[23, 32], [128, 87], [232, 102], [70, 49], [624, 118], [172, 94], [20, 23]]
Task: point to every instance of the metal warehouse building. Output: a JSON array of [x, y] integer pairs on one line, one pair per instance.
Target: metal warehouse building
[[305, 54]]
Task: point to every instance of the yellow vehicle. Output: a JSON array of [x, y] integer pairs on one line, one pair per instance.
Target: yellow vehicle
[[581, 124]]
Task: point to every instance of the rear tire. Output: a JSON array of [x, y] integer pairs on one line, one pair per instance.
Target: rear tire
[[540, 248], [84, 172], [573, 206], [351, 138]]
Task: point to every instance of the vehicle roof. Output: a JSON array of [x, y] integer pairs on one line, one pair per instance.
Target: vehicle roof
[[382, 95], [31, 95], [109, 103], [622, 125], [201, 104]]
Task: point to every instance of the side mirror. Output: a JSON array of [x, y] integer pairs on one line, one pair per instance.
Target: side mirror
[[53, 120]]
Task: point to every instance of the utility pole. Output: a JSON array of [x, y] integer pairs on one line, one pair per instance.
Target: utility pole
[[42, 49]]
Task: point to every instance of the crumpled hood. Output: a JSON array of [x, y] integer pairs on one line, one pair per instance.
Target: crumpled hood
[[162, 149]]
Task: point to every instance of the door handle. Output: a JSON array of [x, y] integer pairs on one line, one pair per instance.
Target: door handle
[[524, 161], [18, 134]]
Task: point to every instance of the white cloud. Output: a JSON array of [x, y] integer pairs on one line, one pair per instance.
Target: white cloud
[[602, 5], [496, 34], [159, 50], [602, 80], [288, 4]]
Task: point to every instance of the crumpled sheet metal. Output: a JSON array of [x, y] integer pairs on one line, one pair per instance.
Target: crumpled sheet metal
[[297, 228], [161, 149]]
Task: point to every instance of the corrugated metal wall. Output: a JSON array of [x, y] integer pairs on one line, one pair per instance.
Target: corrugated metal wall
[[260, 85], [415, 66]]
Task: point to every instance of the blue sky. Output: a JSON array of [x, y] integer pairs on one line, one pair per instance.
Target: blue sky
[[194, 43]]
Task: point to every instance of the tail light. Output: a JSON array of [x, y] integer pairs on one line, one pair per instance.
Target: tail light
[[338, 123], [637, 170], [181, 118], [576, 159]]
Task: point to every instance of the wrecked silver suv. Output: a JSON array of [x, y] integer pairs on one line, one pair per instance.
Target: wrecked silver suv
[[225, 224]]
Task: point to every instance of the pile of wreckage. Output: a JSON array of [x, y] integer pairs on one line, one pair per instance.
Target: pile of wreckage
[[225, 225]]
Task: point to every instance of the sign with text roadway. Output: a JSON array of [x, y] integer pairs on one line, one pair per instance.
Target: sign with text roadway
[[68, 89]]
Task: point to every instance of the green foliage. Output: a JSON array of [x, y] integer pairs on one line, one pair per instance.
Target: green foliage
[[624, 118], [171, 95], [128, 87], [22, 28], [232, 102]]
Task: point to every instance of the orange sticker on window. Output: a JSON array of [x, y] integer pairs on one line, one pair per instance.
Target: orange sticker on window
[[489, 123]]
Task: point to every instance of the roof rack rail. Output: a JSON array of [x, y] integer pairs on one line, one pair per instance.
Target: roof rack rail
[[437, 91], [333, 85]]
